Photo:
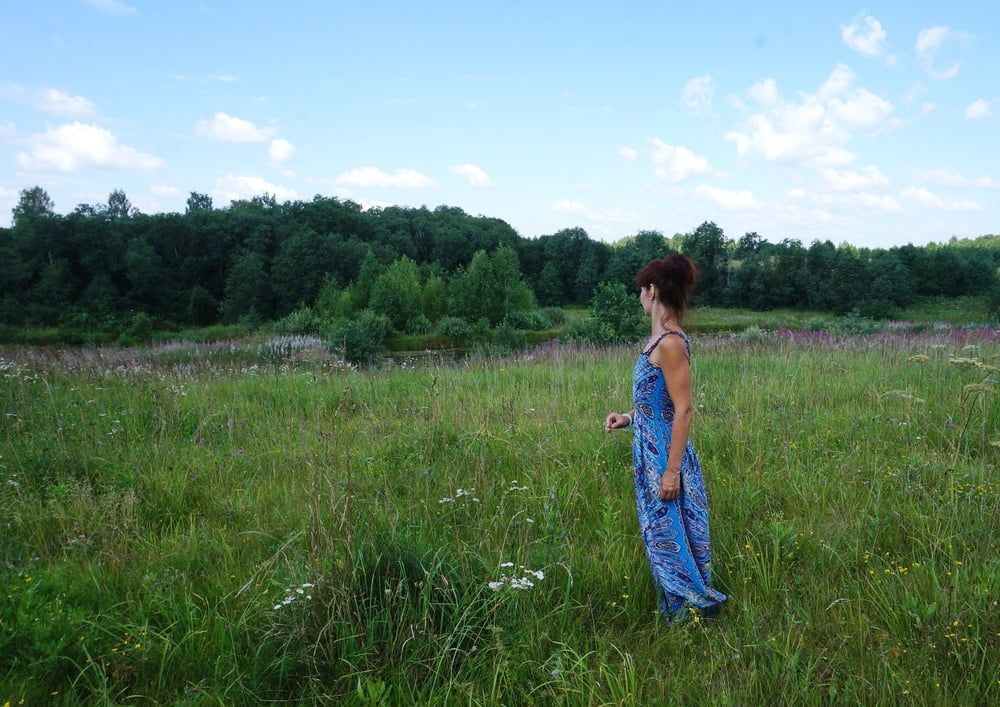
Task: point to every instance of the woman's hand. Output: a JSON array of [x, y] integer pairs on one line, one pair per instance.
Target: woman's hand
[[670, 485], [614, 421]]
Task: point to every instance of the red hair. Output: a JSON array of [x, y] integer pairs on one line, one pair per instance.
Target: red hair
[[674, 277]]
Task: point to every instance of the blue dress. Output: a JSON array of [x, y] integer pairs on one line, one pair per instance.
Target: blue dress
[[674, 532]]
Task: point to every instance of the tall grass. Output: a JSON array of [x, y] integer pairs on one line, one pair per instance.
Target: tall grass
[[307, 532]]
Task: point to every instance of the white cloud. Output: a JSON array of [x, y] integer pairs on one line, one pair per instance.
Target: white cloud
[[875, 202], [473, 174], [628, 153], [604, 221], [880, 202], [570, 206], [7, 130], [925, 197], [727, 198], [375, 177], [928, 107], [229, 128], [864, 34], [815, 129], [675, 163], [163, 189], [978, 109], [697, 94], [75, 145], [281, 150], [951, 177], [850, 180], [929, 42], [52, 100], [233, 187], [112, 7]]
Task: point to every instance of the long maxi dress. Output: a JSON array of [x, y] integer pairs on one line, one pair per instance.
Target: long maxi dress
[[674, 532]]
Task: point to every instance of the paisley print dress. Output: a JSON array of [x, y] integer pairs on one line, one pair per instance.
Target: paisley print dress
[[674, 532]]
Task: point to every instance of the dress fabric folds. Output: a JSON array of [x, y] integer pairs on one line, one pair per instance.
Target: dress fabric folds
[[675, 532]]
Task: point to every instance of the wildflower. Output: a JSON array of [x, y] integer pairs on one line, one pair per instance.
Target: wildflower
[[918, 358]]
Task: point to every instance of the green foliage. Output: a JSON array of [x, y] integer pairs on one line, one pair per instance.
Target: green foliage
[[588, 329], [198, 202], [139, 331], [506, 339], [555, 316], [110, 258], [854, 323], [396, 294], [299, 321], [434, 298], [619, 311], [203, 308], [456, 329], [362, 339], [880, 308], [370, 271], [993, 298], [527, 319], [247, 288], [549, 286], [332, 302]]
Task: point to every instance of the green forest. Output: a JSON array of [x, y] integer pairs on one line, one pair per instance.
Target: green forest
[[260, 260]]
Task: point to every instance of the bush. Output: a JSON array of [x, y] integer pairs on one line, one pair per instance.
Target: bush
[[854, 323], [419, 324], [527, 319], [877, 309], [620, 312], [588, 329], [300, 321], [362, 339], [139, 331], [993, 298], [455, 328], [507, 339], [556, 316]]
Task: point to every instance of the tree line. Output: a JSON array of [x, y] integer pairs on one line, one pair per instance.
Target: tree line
[[259, 260]]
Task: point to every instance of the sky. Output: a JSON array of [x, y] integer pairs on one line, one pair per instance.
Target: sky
[[873, 124]]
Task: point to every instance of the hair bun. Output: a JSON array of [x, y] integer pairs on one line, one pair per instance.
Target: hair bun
[[679, 268]]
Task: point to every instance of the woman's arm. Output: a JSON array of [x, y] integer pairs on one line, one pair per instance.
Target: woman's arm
[[671, 357]]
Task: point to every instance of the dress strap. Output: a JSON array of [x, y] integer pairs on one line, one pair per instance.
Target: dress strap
[[687, 344]]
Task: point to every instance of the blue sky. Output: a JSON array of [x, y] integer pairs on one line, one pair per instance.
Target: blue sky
[[873, 124]]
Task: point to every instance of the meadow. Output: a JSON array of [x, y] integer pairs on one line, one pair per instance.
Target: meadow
[[234, 522]]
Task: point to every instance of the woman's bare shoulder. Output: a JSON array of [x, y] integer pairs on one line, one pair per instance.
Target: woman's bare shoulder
[[669, 350]]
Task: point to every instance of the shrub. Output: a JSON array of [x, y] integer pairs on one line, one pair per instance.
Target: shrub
[[362, 339], [418, 324], [300, 321], [993, 298], [615, 308], [527, 319], [556, 316], [877, 309], [507, 339], [455, 328], [140, 330], [588, 329], [854, 323]]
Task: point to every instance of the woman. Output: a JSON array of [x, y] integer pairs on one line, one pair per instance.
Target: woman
[[669, 490]]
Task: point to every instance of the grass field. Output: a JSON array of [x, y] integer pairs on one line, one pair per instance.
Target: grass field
[[236, 525]]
